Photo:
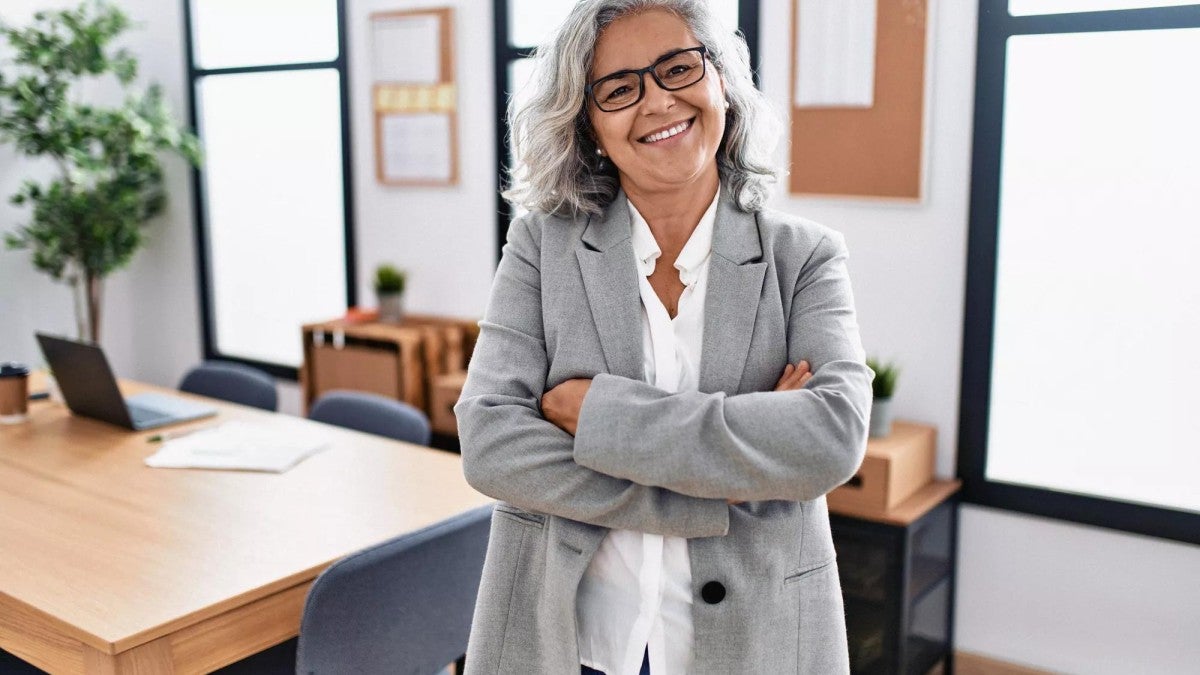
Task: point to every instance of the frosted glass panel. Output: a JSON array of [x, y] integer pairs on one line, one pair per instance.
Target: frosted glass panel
[[1027, 7], [1095, 369], [235, 33], [276, 230], [530, 22]]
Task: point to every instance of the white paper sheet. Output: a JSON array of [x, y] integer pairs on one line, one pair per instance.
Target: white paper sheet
[[237, 446], [416, 146], [407, 49], [835, 54]]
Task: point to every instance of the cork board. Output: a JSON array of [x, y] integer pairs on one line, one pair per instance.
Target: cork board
[[415, 98], [868, 152]]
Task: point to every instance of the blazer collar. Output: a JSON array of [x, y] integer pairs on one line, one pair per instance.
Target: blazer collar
[[609, 228], [735, 236], [735, 281], [730, 307]]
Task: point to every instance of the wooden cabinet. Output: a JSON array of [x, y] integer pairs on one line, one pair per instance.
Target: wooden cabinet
[[897, 572]]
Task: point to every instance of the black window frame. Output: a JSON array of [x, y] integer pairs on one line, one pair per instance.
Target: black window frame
[[203, 271], [506, 53], [995, 27]]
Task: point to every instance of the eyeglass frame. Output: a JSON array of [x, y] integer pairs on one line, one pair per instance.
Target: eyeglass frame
[[589, 90]]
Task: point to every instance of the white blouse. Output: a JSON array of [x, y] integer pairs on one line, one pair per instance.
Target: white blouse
[[637, 591]]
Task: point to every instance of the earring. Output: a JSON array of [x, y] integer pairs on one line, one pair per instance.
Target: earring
[[600, 152]]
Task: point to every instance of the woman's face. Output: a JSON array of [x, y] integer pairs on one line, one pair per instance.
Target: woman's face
[[662, 164]]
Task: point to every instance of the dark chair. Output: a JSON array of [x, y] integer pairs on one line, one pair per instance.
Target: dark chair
[[373, 414], [402, 606], [232, 382]]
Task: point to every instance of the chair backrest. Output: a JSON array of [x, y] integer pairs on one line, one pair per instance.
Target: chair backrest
[[373, 414], [403, 606], [232, 382]]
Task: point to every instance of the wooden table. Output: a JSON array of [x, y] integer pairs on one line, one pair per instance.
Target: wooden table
[[109, 566]]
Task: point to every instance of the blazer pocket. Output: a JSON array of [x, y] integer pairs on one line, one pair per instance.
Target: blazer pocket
[[523, 517], [802, 574]]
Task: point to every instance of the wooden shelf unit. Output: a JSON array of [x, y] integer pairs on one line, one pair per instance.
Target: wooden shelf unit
[[397, 360]]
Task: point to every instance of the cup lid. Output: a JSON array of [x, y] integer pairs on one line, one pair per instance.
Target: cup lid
[[13, 369]]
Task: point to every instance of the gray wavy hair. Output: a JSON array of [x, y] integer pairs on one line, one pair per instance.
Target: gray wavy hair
[[556, 168]]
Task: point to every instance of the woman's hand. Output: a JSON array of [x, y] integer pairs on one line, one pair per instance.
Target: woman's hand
[[560, 405], [794, 377]]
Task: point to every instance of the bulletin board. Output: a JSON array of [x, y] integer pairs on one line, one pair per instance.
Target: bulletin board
[[414, 97], [873, 151]]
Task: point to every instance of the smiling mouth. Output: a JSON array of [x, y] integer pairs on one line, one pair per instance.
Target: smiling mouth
[[668, 132]]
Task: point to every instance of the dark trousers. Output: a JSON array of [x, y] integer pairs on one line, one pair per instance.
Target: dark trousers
[[584, 670]]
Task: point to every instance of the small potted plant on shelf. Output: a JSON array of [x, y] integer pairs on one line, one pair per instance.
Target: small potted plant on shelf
[[882, 389], [389, 289]]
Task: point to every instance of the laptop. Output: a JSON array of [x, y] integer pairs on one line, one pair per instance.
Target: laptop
[[90, 389]]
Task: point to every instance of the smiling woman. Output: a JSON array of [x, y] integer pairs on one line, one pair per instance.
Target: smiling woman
[[663, 435], [670, 140]]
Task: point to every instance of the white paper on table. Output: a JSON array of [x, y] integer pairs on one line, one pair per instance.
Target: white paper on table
[[407, 49], [416, 146], [835, 54], [238, 446]]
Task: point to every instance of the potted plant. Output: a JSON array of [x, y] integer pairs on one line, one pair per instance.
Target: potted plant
[[389, 289], [882, 389], [87, 221]]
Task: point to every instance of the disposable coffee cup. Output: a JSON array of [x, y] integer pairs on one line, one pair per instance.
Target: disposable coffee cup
[[14, 393]]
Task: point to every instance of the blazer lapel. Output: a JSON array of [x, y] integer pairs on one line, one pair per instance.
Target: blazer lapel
[[610, 280], [735, 283]]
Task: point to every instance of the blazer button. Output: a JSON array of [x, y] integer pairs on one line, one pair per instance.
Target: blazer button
[[713, 592]]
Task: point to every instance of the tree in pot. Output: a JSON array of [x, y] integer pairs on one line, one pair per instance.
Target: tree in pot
[[882, 389], [389, 290], [87, 222]]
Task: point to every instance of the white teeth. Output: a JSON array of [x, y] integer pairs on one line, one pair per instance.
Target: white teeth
[[667, 133]]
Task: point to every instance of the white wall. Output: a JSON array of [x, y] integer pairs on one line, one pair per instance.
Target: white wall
[[444, 237], [1034, 591]]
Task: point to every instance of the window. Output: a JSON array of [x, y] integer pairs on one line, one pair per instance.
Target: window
[[1083, 303], [273, 205], [521, 25]]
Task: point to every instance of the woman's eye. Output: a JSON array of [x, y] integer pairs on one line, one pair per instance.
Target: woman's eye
[[619, 92], [678, 70]]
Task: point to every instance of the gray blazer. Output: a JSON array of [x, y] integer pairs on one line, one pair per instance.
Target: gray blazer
[[565, 304]]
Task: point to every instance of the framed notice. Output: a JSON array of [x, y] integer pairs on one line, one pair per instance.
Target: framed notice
[[415, 99], [859, 93]]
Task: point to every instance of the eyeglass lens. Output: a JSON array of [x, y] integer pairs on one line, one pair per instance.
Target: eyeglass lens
[[673, 72]]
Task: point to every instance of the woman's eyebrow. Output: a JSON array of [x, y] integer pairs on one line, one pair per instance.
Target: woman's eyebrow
[[652, 61]]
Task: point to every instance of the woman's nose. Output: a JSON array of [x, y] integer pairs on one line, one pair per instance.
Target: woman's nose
[[656, 99]]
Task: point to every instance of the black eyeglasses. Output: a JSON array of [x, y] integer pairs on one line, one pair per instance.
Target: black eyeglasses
[[679, 69]]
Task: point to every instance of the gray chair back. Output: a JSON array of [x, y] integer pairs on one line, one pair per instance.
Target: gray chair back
[[373, 414], [403, 606], [232, 382]]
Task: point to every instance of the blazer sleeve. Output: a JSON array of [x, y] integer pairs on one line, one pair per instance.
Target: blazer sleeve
[[510, 452], [794, 445]]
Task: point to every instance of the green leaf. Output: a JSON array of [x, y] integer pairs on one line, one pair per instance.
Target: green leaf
[[92, 215]]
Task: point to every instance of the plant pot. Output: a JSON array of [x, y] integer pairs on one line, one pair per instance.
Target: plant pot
[[881, 417], [391, 307]]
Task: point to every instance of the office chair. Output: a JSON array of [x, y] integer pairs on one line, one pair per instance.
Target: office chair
[[373, 414], [232, 382], [403, 606]]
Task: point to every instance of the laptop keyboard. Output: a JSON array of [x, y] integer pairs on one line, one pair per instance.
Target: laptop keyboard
[[142, 416]]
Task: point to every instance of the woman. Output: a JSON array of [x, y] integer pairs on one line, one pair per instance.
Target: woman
[[668, 378]]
